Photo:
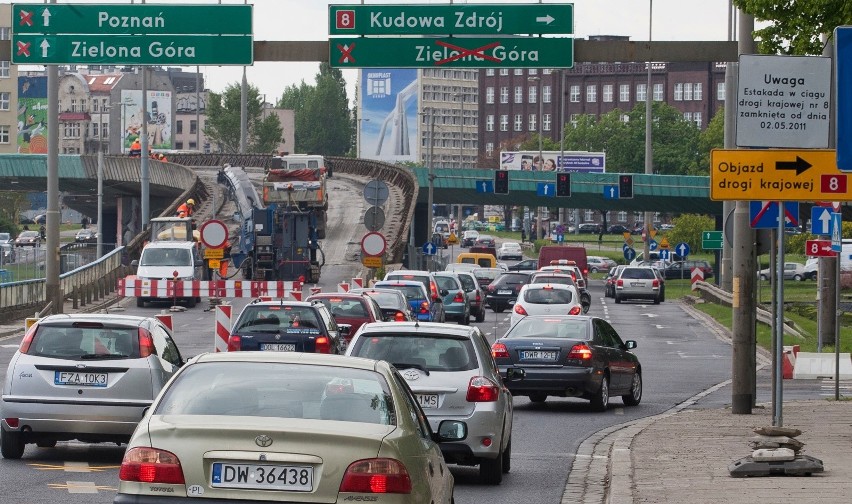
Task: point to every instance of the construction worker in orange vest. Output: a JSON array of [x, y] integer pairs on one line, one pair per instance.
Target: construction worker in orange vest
[[186, 208], [136, 148]]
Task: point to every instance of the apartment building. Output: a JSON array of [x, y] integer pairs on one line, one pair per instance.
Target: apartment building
[[8, 89]]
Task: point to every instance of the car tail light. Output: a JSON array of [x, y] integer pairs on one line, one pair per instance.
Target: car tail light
[[434, 289], [399, 317], [478, 297], [575, 310], [322, 344], [655, 283], [377, 475], [481, 389], [459, 297], [619, 283], [234, 343], [146, 343], [499, 351], [424, 307], [581, 352], [28, 339], [150, 465], [13, 423], [519, 310]]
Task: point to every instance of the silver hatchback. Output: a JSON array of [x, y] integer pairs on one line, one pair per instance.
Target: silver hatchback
[[638, 282], [85, 377], [450, 370]]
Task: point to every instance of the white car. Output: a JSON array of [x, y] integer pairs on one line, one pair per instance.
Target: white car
[[510, 250], [812, 268], [599, 263], [546, 299], [792, 271]]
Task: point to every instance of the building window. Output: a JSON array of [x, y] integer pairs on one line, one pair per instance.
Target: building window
[[504, 122], [105, 130], [696, 117], [179, 145], [71, 130], [95, 129], [641, 92], [193, 127], [720, 91], [533, 71], [192, 145], [624, 118], [5, 100], [678, 92], [4, 134], [178, 127], [489, 122], [4, 69], [607, 93], [591, 93], [519, 94], [589, 216], [504, 94], [73, 105], [687, 91], [489, 72], [687, 116], [574, 119], [533, 94], [519, 122], [658, 92], [95, 105], [519, 71], [489, 149], [574, 93], [545, 122], [532, 123], [696, 91], [624, 93], [546, 94], [504, 71], [622, 216], [489, 94]]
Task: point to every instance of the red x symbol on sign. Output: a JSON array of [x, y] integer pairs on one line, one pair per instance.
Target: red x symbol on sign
[[26, 18], [23, 48], [346, 53], [477, 53]]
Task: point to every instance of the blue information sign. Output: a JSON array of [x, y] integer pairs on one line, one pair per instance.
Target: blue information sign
[[546, 189], [652, 245], [665, 254], [764, 214], [485, 186], [682, 249], [429, 248], [629, 254], [610, 192], [821, 221]]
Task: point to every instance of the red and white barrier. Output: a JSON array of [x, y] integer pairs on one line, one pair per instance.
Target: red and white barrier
[[357, 281], [315, 290], [343, 287], [297, 295], [166, 319], [223, 328], [697, 275], [137, 287], [788, 362]]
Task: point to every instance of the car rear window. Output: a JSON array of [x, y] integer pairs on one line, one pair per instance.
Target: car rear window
[[488, 274], [638, 273], [561, 280], [82, 343], [535, 327], [513, 280], [445, 282], [433, 352], [468, 283], [411, 292], [424, 279], [271, 318], [384, 299], [264, 389], [548, 296]]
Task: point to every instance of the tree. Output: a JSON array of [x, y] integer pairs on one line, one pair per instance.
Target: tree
[[688, 229], [796, 25], [711, 138], [547, 143], [223, 122]]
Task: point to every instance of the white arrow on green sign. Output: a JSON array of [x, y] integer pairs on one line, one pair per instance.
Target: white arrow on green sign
[[468, 52], [711, 240], [450, 19]]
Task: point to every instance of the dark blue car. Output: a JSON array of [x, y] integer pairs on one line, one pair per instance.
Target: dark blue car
[[415, 292]]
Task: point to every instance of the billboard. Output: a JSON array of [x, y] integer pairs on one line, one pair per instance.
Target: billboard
[[32, 115], [568, 161], [159, 117], [388, 122]]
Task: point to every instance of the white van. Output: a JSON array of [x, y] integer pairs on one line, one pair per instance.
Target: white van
[[161, 259], [846, 255]]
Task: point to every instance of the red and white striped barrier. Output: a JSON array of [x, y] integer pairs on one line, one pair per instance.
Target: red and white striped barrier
[[297, 295], [343, 287], [357, 281], [223, 328], [697, 275], [137, 287], [315, 290], [166, 319]]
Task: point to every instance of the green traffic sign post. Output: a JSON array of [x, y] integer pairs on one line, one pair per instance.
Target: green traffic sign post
[[711, 240], [468, 52], [126, 19], [450, 19]]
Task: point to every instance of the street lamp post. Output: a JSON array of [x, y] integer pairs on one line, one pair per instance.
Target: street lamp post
[[649, 152], [540, 146], [100, 249]]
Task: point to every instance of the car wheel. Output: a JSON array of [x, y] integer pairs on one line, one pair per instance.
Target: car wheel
[[140, 303], [798, 278], [465, 320], [600, 400], [11, 444], [635, 395], [507, 457], [491, 470], [538, 397], [617, 299], [594, 270], [480, 315], [764, 277], [498, 309], [49, 443], [657, 300]]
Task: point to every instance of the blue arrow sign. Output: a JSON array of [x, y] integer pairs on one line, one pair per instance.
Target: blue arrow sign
[[624, 247], [821, 221], [610, 192], [652, 244], [485, 186], [665, 254], [682, 249], [429, 248], [629, 254], [764, 214], [546, 189]]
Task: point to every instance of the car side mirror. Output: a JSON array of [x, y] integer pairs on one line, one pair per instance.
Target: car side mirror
[[450, 430], [515, 374], [134, 263], [630, 344]]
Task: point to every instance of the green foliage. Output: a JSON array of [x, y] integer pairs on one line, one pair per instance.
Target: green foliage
[[12, 203], [713, 137], [795, 244], [547, 144], [796, 25], [688, 229], [846, 229], [223, 122]]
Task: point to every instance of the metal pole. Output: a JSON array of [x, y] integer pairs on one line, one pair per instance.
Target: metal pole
[[198, 109], [431, 181], [100, 249], [649, 151], [778, 392], [540, 144], [51, 253], [144, 175], [726, 268]]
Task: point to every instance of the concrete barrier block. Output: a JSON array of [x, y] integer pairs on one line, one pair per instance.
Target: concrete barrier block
[[810, 365]]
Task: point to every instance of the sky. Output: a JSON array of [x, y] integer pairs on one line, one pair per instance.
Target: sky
[[277, 20]]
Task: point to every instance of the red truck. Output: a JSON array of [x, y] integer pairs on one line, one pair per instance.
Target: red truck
[[550, 253]]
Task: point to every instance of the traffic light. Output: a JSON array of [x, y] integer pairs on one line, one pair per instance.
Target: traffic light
[[625, 186], [563, 184], [501, 182]]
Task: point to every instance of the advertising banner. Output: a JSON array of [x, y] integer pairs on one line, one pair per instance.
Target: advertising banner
[[571, 161], [32, 115], [388, 122], [159, 119]]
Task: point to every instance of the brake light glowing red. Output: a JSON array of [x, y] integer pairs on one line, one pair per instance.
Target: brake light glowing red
[[580, 351], [519, 310], [434, 289], [399, 317], [28, 339], [424, 307], [481, 389], [150, 465], [478, 296], [322, 344], [575, 310], [146, 343], [234, 343], [655, 283], [377, 475], [459, 297], [619, 283], [499, 351]]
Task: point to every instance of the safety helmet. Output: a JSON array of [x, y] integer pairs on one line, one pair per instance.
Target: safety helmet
[[190, 201], [161, 156]]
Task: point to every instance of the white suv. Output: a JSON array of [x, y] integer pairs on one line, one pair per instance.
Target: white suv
[[811, 268]]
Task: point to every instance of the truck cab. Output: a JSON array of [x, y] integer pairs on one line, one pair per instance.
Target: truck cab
[[173, 229], [169, 260]]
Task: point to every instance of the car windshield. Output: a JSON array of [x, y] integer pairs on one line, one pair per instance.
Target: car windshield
[[535, 327], [384, 299], [341, 307], [487, 273], [272, 318], [561, 280], [638, 274], [411, 292], [468, 283], [28, 234], [164, 257], [513, 280], [85, 343], [4, 236], [432, 352], [446, 282], [548, 296], [264, 389]]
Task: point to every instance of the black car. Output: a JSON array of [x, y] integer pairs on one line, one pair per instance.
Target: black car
[[619, 229], [589, 227], [525, 265], [569, 356], [503, 291], [288, 326], [683, 269], [86, 236]]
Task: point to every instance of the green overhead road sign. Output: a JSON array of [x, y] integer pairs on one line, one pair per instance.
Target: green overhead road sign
[[468, 52], [711, 240], [450, 19], [135, 19], [132, 50]]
